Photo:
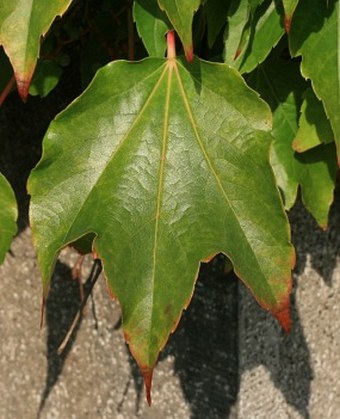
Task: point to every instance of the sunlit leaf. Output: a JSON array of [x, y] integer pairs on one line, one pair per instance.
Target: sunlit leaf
[[167, 167]]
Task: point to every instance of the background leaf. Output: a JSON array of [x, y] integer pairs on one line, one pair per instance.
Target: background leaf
[[279, 82], [216, 14], [264, 31], [8, 216], [22, 23], [315, 36], [168, 167], [181, 15], [289, 8], [45, 78], [152, 25], [314, 128]]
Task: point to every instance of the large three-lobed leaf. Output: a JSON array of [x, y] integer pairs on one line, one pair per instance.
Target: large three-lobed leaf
[[167, 163]]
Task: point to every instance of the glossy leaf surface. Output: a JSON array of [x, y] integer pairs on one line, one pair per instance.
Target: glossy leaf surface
[[315, 35], [22, 23], [181, 15], [168, 167], [8, 216]]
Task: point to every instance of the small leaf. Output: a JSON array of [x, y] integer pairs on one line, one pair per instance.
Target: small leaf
[[45, 78], [262, 32], [289, 8], [317, 169], [22, 23], [181, 15], [281, 85], [8, 216], [314, 128], [152, 26], [167, 168], [315, 36]]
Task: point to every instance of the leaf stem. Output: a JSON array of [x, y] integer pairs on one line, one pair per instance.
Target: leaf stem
[[171, 44], [7, 90]]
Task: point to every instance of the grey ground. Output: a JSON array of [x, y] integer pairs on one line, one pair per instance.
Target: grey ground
[[227, 359]]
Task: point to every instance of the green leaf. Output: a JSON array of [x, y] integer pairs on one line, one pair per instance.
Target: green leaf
[[45, 78], [262, 32], [314, 128], [22, 23], [216, 12], [168, 167], [315, 36], [280, 84], [8, 216], [152, 25], [289, 8], [317, 169], [180, 14]]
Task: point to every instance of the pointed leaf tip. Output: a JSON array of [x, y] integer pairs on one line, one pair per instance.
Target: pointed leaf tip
[[283, 316], [147, 376], [23, 88], [189, 54], [288, 23]]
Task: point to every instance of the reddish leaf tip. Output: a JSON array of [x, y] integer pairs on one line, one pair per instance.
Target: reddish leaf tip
[[147, 373], [189, 54], [282, 314], [23, 88], [288, 23], [237, 53]]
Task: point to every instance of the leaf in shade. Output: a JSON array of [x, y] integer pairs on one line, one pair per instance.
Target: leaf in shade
[[314, 128], [315, 36], [280, 84], [22, 23], [167, 168], [216, 12], [181, 15], [317, 170], [45, 78], [152, 25], [8, 216]]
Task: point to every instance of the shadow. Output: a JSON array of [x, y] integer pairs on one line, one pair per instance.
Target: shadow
[[309, 239], [61, 307], [287, 358], [205, 345], [22, 127]]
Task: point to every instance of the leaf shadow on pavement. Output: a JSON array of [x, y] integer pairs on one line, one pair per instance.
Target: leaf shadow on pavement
[[61, 307], [204, 346]]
